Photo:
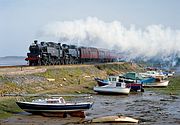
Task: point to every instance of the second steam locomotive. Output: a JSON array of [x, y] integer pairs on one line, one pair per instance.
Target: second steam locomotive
[[50, 53]]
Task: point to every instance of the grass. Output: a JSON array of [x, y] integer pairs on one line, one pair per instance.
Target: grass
[[65, 79], [8, 107], [119, 68], [9, 87]]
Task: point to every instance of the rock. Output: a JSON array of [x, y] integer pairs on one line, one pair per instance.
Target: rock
[[174, 97], [78, 92], [165, 99], [50, 79], [77, 114], [87, 76]]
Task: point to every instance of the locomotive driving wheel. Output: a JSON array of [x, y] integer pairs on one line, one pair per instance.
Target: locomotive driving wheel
[[53, 61], [39, 62]]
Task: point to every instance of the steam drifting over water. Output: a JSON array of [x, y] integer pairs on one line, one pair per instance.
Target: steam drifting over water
[[151, 41]]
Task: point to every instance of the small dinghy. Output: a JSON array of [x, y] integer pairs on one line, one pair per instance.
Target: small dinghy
[[109, 119], [102, 82]]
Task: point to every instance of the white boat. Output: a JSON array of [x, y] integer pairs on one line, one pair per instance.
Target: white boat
[[154, 74], [169, 73], [109, 119], [163, 83], [114, 88], [132, 84]]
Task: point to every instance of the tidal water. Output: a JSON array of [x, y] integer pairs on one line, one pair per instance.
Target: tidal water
[[12, 61]]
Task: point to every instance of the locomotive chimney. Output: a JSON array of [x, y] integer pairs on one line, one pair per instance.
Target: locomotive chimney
[[35, 41]]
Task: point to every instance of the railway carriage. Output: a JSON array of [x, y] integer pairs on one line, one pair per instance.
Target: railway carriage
[[88, 54]]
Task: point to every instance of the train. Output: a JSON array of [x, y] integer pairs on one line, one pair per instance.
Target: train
[[51, 53]]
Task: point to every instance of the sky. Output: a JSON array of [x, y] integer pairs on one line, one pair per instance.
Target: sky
[[119, 24]]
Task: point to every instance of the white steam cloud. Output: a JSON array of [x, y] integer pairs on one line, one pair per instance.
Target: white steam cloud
[[151, 41]]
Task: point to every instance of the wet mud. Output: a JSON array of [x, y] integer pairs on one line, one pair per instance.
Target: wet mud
[[149, 107]]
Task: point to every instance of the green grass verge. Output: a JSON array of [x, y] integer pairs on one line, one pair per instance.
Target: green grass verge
[[8, 107]]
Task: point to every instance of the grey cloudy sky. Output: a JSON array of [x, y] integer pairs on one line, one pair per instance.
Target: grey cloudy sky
[[21, 20]]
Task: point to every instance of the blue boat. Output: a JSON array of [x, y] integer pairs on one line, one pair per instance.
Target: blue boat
[[146, 82], [115, 79], [136, 77], [102, 82], [53, 105]]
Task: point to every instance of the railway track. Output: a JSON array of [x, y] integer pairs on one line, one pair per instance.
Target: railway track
[[25, 69], [14, 66]]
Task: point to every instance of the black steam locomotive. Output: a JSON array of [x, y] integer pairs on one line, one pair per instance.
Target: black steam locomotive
[[50, 53]]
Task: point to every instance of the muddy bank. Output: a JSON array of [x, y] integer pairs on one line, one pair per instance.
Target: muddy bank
[[148, 107]]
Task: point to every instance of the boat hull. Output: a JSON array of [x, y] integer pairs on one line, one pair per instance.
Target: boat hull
[[157, 84], [102, 82], [135, 87], [111, 90], [53, 108]]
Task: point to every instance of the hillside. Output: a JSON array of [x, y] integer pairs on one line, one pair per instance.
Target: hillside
[[67, 79]]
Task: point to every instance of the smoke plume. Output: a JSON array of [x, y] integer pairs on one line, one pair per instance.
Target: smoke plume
[[151, 41]]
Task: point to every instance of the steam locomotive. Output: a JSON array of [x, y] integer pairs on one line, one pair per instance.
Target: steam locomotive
[[50, 53]]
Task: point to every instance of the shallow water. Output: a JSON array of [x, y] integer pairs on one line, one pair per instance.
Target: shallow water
[[148, 107], [12, 61]]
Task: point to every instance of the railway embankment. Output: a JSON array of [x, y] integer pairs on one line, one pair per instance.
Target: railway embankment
[[57, 79]]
